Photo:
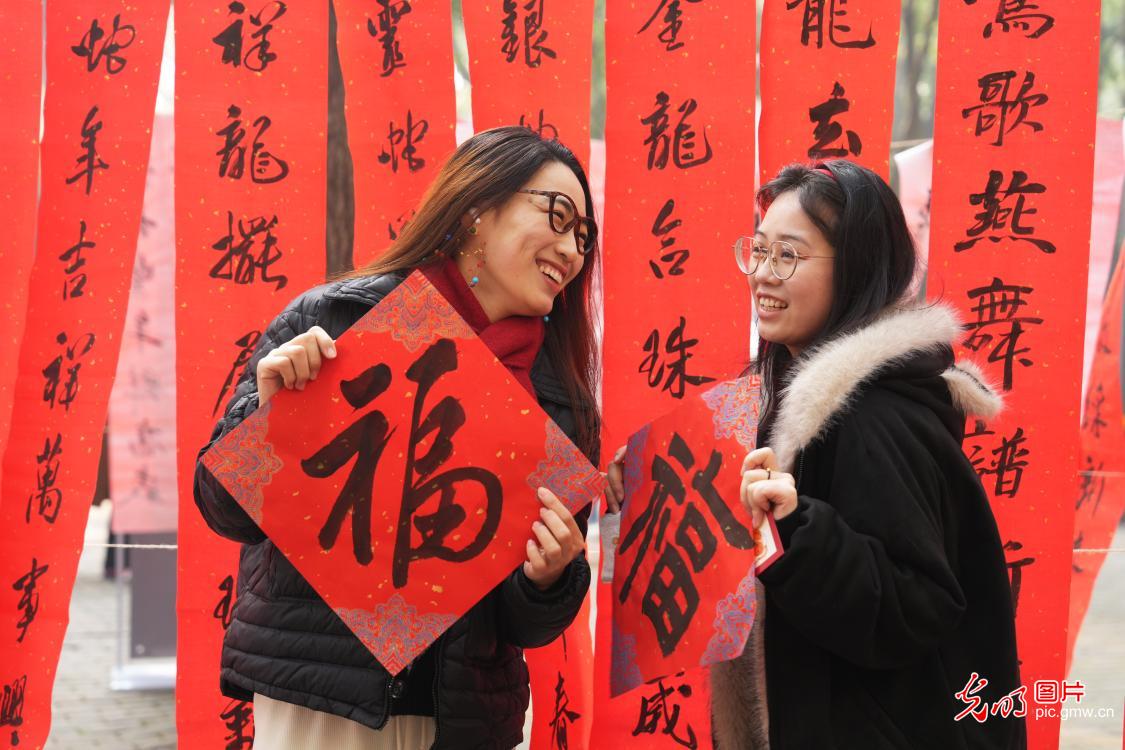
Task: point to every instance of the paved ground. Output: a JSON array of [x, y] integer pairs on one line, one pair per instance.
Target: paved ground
[[88, 715]]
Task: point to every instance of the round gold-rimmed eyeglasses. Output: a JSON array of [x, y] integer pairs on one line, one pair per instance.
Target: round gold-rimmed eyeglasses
[[783, 257]]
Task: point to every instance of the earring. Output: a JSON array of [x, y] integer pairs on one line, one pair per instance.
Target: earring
[[473, 227], [479, 252]]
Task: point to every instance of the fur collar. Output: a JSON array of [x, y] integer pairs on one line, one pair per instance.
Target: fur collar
[[827, 379]]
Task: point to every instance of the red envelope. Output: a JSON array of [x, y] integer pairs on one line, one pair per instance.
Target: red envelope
[[684, 567], [401, 483]]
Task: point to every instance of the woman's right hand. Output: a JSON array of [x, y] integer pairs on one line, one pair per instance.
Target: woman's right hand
[[293, 364], [615, 489]]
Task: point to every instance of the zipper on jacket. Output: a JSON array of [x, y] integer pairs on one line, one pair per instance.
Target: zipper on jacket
[[800, 468], [437, 680]]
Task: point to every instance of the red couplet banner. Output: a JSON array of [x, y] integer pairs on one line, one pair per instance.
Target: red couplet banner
[[1101, 485], [103, 62], [142, 407], [1013, 172], [251, 114], [828, 82], [397, 61], [21, 45], [529, 61], [680, 163]]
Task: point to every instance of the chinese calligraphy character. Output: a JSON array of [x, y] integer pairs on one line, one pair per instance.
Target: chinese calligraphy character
[[819, 14], [72, 257], [658, 710], [89, 162], [246, 344], [239, 263], [238, 716], [682, 143], [534, 37], [671, 597], [1013, 14], [1007, 466], [998, 111], [563, 717], [1093, 484], [265, 168], [672, 20], [47, 498], [368, 437], [1092, 420], [386, 32], [542, 128], [143, 337], [999, 324], [676, 346], [827, 133], [29, 600], [224, 610], [1015, 569], [11, 707], [145, 442], [52, 373], [662, 229], [258, 57], [994, 216], [411, 135], [96, 46]]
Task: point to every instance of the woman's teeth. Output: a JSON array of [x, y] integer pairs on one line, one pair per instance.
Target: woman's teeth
[[771, 304], [550, 272]]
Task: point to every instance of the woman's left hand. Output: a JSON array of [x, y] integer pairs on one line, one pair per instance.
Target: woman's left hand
[[764, 488], [557, 540]]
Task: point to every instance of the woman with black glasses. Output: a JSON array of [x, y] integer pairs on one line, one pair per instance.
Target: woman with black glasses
[[506, 233]]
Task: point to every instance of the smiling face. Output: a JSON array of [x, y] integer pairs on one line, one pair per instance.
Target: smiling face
[[525, 262], [793, 312]]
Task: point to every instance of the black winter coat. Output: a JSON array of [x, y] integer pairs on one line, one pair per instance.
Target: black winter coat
[[893, 587], [286, 643]]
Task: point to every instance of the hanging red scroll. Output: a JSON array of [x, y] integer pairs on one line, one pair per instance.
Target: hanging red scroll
[[1013, 160], [828, 82], [1101, 484], [251, 114], [529, 61], [103, 61], [680, 146], [562, 688], [142, 406], [21, 44], [397, 61]]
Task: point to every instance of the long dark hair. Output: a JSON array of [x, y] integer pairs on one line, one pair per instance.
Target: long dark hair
[[483, 173], [862, 219]]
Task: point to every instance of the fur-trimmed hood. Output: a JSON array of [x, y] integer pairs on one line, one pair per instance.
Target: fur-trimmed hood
[[827, 378]]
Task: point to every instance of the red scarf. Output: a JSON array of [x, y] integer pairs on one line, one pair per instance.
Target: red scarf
[[515, 340]]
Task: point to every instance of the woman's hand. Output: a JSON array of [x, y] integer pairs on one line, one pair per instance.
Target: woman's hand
[[764, 488], [294, 364], [615, 489], [557, 541]]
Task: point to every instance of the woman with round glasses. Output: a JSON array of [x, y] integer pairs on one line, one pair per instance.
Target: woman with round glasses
[[891, 605], [506, 233]]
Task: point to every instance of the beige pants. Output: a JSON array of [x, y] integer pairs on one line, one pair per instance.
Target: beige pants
[[285, 726]]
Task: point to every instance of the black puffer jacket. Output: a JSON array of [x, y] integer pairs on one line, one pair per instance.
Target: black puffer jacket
[[893, 589], [286, 643]]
